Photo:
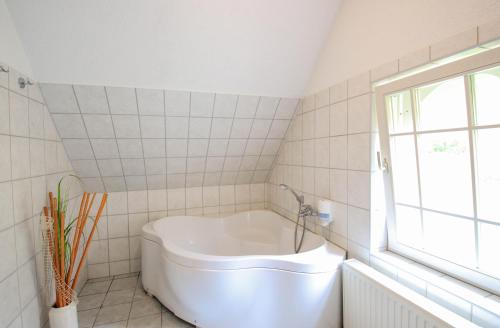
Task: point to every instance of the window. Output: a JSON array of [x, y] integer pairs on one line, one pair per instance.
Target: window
[[440, 135]]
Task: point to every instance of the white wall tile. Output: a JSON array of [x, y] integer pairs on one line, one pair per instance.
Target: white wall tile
[[152, 127], [4, 110], [60, 98], [260, 128], [194, 197], [176, 199], [176, 103], [9, 306], [211, 196], [359, 189], [122, 100], [117, 203], [286, 108], [150, 102], [177, 127], [241, 128], [69, 125], [78, 148], [126, 126], [137, 201], [91, 99], [19, 122], [359, 152], [22, 201], [104, 148], [225, 105], [246, 107], [358, 85], [415, 59], [278, 128], [135, 223], [98, 126], [154, 148], [118, 249], [338, 119], [20, 156], [130, 148], [267, 107], [7, 252], [359, 114], [118, 226], [338, 92], [202, 104], [36, 117], [199, 127], [221, 128]]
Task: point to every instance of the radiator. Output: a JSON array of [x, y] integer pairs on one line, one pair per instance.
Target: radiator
[[373, 300]]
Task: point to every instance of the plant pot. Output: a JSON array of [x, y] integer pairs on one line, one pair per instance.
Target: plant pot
[[64, 317]]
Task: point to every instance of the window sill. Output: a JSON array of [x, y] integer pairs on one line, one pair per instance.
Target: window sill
[[472, 303]]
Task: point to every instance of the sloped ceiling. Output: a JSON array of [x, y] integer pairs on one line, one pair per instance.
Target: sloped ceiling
[[259, 47], [134, 139]]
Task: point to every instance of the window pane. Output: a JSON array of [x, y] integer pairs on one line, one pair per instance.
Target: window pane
[[449, 237], [408, 226], [399, 115], [445, 172], [489, 245], [442, 105], [404, 170], [486, 96], [488, 174]]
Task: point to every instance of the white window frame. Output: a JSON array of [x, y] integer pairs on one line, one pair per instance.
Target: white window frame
[[478, 62]]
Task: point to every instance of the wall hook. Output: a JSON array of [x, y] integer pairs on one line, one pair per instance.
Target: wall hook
[[4, 69], [24, 82]]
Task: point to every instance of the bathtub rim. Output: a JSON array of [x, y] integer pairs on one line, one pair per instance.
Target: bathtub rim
[[325, 258]]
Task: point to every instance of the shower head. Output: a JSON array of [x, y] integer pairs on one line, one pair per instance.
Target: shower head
[[300, 198]]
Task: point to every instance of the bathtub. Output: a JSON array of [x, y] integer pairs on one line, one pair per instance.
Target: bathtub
[[241, 271]]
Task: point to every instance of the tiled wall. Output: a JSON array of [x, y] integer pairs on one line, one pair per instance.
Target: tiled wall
[[32, 160], [116, 248], [329, 154], [123, 139]]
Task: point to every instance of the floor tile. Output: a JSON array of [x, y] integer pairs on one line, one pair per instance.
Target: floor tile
[[121, 324], [86, 318], [88, 302], [150, 321], [113, 313], [169, 320], [145, 307], [127, 275], [95, 288], [140, 294], [124, 283], [119, 297], [89, 281]]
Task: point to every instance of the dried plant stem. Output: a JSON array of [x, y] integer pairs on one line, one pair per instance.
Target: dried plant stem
[[85, 250], [74, 247]]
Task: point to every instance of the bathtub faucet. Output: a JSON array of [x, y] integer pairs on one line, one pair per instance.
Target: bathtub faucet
[[305, 210]]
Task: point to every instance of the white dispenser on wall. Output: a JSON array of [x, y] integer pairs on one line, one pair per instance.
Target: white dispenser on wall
[[325, 212]]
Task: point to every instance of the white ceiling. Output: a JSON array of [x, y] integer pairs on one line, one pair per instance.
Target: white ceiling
[[258, 47]]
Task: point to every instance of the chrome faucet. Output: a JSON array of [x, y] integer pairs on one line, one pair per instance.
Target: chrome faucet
[[304, 209]]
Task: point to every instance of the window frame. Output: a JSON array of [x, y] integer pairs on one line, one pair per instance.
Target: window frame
[[460, 68]]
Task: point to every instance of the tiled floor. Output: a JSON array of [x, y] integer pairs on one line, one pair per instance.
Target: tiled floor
[[119, 302]]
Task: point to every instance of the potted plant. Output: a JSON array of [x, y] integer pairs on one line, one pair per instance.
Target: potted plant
[[63, 239]]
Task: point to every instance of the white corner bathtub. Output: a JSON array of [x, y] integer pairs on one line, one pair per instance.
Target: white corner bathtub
[[240, 271]]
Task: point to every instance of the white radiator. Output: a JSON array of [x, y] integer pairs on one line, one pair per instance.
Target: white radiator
[[373, 300]]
